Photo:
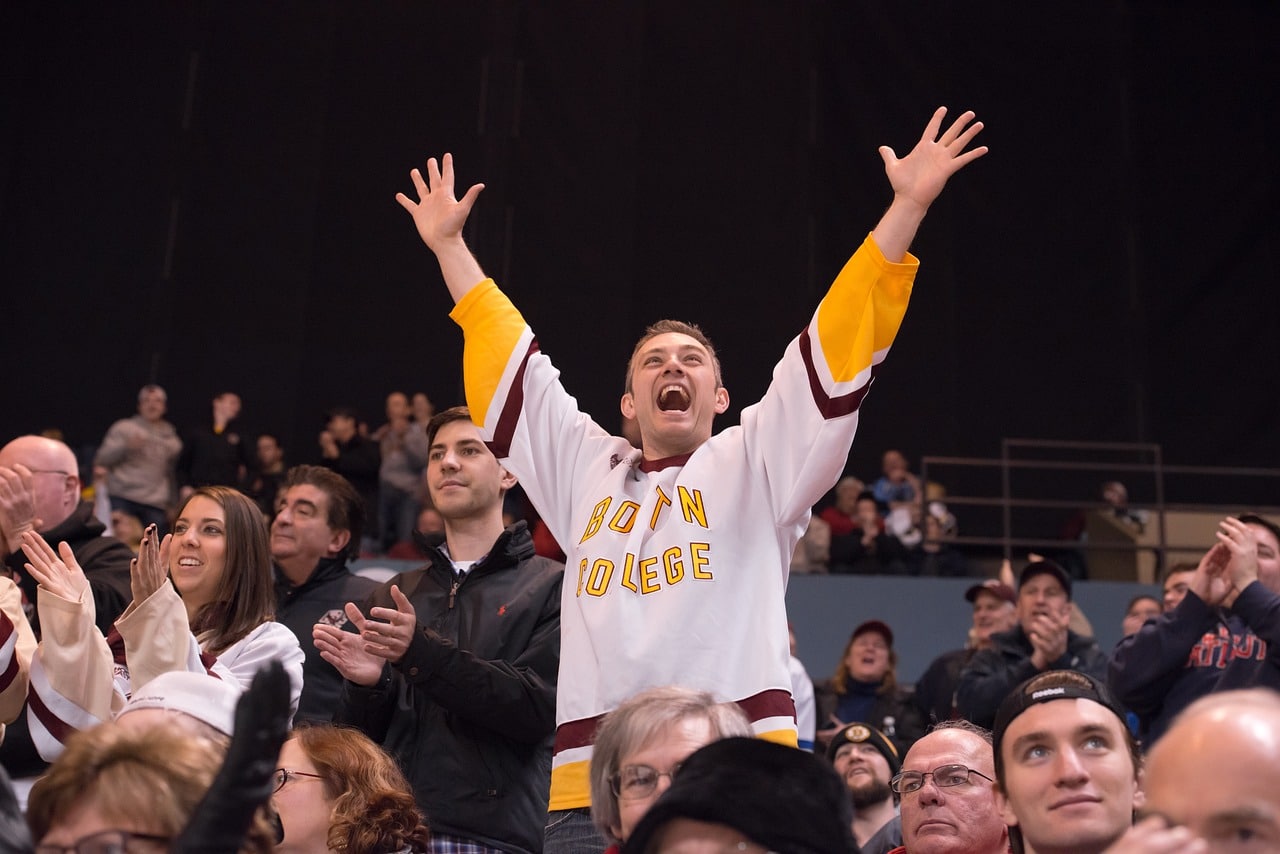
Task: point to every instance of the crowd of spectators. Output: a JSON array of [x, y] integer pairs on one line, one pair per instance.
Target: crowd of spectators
[[490, 700]]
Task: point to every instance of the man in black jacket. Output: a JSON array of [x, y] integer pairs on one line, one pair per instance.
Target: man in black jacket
[[994, 611], [455, 668], [1041, 641], [316, 528]]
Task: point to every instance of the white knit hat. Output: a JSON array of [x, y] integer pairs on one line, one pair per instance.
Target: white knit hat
[[206, 698]]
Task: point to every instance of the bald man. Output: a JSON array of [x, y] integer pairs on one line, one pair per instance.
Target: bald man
[[40, 490], [948, 801], [1229, 744]]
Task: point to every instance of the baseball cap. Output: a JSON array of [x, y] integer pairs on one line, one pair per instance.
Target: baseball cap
[[860, 733], [878, 626], [785, 799], [1045, 567], [1045, 688], [993, 586]]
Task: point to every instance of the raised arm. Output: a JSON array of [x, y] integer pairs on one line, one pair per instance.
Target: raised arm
[[440, 216], [918, 178], [17, 644]]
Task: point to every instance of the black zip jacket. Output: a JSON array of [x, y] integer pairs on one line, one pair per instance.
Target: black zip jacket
[[319, 599], [469, 712]]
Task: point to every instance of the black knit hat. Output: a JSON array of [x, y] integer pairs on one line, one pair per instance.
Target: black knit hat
[[782, 798], [858, 733]]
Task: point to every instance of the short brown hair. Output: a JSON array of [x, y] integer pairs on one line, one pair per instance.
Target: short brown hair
[[454, 413], [1176, 569], [662, 327]]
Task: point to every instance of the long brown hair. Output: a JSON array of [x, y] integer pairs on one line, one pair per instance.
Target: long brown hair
[[373, 806], [888, 683], [244, 598]]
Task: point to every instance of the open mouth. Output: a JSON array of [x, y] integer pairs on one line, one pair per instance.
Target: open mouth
[[673, 398]]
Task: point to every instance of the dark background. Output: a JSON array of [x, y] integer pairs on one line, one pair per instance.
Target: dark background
[[201, 194]]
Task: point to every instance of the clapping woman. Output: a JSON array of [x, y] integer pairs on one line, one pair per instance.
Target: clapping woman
[[215, 617]]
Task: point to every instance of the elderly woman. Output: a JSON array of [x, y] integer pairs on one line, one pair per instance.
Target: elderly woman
[[639, 748]]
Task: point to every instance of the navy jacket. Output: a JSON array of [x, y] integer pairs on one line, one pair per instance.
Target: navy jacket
[[1195, 650]]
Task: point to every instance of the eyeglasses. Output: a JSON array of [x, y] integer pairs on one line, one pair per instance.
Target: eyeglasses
[[639, 781], [104, 842], [284, 775], [944, 776]]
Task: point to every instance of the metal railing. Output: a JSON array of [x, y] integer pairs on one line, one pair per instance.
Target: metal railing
[[1110, 461]]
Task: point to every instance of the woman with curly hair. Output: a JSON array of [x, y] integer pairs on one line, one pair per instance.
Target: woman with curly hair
[[338, 791], [215, 617]]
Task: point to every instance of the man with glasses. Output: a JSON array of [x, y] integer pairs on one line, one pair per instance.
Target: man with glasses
[[946, 794], [40, 491]]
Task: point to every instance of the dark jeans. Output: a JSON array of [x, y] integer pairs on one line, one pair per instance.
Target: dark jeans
[[572, 832], [397, 516]]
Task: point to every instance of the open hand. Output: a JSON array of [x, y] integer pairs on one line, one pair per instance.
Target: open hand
[[920, 176], [17, 505], [438, 214], [149, 571], [389, 631], [346, 652], [58, 572]]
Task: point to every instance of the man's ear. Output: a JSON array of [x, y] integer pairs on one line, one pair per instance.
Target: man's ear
[[722, 400], [628, 405], [508, 480], [1002, 804], [338, 541], [71, 490]]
